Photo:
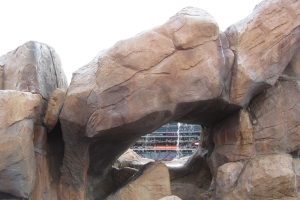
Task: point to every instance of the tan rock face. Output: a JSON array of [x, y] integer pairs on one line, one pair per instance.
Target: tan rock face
[[26, 168], [233, 139], [276, 112], [1, 77], [227, 176], [263, 44], [151, 182], [33, 67], [173, 197], [55, 104], [140, 84], [293, 68], [19, 112], [131, 159], [271, 176]]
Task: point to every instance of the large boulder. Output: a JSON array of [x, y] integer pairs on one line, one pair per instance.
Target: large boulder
[[266, 177], [131, 159], [227, 176], [33, 67], [263, 44], [19, 112], [180, 70], [151, 182]]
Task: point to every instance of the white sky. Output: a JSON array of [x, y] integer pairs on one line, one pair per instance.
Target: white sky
[[78, 30]]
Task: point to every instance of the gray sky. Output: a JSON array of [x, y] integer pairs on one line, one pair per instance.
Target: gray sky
[[78, 30]]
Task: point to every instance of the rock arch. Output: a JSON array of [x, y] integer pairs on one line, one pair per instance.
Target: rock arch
[[185, 70]]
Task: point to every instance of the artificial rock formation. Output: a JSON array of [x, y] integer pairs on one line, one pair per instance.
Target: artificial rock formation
[[276, 116], [185, 70], [180, 70], [55, 104], [173, 197], [33, 67], [19, 112], [263, 44], [241, 85], [28, 75], [265, 177], [132, 160], [192, 179], [233, 140], [151, 182]]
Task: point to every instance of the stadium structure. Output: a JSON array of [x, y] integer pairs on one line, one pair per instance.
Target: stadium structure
[[171, 141]]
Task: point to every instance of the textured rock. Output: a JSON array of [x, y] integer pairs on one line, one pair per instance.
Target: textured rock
[[233, 139], [151, 182], [131, 159], [268, 177], [293, 68], [26, 169], [1, 78], [33, 67], [121, 176], [173, 197], [55, 104], [276, 113], [191, 180], [226, 178], [137, 86], [263, 44], [19, 112], [183, 70]]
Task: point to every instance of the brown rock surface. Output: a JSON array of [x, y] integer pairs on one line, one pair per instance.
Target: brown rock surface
[[27, 170], [19, 112], [263, 44], [55, 104], [293, 68], [233, 140], [191, 179], [131, 159], [182, 70], [268, 177], [276, 112], [1, 77], [227, 176], [137, 86], [151, 182], [33, 67], [173, 197]]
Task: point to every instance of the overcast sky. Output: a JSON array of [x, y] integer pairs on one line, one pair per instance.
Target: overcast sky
[[78, 30]]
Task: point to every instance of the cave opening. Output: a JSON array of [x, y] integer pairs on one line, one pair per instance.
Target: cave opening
[[172, 141]]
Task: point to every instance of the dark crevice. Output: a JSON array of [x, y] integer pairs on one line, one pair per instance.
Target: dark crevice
[[56, 151]]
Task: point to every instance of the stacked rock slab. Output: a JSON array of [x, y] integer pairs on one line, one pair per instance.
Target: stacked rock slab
[[151, 182], [180, 70], [19, 112], [28, 75]]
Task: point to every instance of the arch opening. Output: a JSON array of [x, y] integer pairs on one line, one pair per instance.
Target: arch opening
[[170, 142]]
